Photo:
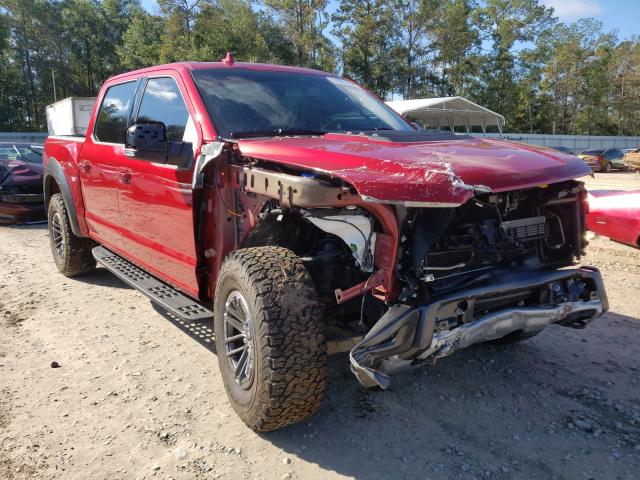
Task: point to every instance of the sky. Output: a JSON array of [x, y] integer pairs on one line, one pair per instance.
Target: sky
[[621, 15]]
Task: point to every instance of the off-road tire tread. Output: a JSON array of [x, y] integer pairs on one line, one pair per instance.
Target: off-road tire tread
[[78, 258], [290, 336]]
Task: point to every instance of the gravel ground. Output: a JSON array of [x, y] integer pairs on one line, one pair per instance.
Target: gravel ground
[[139, 395]]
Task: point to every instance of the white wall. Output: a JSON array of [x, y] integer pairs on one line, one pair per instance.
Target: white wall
[[26, 137], [577, 143]]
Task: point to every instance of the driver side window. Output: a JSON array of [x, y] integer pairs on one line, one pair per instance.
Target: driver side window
[[162, 102]]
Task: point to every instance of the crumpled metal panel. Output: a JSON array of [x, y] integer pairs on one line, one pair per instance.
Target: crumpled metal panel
[[442, 173]]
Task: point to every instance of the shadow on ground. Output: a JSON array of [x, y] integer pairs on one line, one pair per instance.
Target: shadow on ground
[[200, 331], [26, 226], [103, 278], [490, 411]]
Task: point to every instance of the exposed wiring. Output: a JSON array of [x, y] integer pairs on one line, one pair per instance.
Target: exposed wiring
[[227, 209]]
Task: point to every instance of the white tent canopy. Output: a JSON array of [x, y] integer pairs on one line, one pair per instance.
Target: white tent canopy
[[447, 112]]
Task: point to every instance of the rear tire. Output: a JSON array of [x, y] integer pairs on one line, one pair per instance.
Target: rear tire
[[71, 254], [270, 337], [606, 168]]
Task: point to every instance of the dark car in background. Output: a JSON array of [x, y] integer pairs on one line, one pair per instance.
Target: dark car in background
[[604, 160], [21, 192], [566, 150]]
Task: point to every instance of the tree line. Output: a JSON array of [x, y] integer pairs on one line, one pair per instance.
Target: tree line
[[512, 56]]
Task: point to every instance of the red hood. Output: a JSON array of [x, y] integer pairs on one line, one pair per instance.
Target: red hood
[[445, 172]]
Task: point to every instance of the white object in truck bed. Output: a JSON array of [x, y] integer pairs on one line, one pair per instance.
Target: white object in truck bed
[[70, 116]]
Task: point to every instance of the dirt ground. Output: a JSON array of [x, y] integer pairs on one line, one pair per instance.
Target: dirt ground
[[139, 395]]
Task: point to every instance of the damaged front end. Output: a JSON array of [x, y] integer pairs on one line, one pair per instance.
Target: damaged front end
[[503, 303], [407, 282], [499, 265]]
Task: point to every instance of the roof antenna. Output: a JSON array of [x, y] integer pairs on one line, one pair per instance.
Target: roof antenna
[[228, 59]]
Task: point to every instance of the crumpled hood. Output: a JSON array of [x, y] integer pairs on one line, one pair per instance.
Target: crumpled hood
[[443, 172]]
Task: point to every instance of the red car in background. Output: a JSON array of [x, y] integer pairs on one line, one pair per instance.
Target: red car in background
[[21, 191], [616, 215]]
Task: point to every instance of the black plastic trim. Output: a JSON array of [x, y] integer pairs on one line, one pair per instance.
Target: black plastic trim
[[54, 171], [164, 295]]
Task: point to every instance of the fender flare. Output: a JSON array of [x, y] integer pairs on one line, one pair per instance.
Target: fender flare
[[53, 171]]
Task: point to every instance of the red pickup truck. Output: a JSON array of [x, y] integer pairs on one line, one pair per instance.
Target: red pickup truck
[[305, 217]]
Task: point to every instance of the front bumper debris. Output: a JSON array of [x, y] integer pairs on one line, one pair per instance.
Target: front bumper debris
[[406, 336]]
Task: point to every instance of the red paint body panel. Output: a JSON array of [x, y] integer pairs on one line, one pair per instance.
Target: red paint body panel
[[99, 180], [440, 172], [615, 215], [65, 151]]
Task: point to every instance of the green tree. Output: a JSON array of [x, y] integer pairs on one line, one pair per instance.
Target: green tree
[[304, 22], [368, 34], [625, 83], [179, 21], [232, 25], [411, 46], [575, 64], [140, 41], [505, 24], [455, 43]]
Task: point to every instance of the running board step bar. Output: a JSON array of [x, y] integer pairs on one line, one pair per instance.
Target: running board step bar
[[158, 292]]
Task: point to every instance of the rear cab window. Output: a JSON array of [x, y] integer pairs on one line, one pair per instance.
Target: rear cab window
[[115, 110]]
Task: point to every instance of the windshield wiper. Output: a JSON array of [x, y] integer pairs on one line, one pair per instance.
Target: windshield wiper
[[276, 132]]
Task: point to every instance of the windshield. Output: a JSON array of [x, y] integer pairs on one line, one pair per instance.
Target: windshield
[[22, 152], [245, 103]]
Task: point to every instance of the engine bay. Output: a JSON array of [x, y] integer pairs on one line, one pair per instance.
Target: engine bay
[[444, 249]]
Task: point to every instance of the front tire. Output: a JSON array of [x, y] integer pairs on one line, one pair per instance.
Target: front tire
[[71, 254], [606, 168], [269, 337]]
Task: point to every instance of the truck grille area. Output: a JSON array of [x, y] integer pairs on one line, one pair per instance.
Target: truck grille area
[[528, 227], [524, 229]]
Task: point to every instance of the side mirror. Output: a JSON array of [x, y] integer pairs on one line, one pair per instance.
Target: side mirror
[[147, 137], [148, 141]]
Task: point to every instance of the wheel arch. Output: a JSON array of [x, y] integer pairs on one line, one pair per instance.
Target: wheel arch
[[55, 181]]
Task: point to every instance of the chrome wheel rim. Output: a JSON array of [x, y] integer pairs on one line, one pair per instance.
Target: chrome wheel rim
[[238, 339], [56, 234]]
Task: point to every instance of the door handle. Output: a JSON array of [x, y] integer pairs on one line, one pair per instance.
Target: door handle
[[85, 166], [125, 176]]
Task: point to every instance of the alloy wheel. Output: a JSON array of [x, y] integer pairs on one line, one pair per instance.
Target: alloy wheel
[[238, 341], [57, 235]]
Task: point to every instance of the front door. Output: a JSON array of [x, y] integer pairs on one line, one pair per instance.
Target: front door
[[99, 164], [156, 202]]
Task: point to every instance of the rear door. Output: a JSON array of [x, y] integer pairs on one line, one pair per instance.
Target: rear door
[[156, 203], [99, 163]]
